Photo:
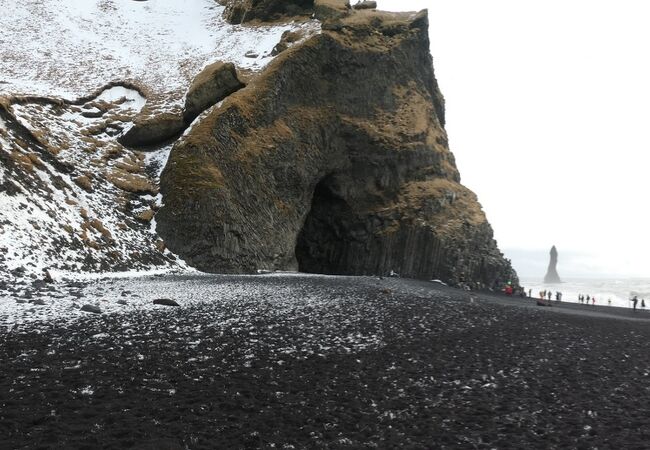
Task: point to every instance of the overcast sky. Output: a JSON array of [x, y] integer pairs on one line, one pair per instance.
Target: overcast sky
[[548, 115]]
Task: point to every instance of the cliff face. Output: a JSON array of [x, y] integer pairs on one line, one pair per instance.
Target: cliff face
[[333, 160], [312, 144]]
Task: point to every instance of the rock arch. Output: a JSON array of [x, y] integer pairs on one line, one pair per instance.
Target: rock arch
[[343, 130]]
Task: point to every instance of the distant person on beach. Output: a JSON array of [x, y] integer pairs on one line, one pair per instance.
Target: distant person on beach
[[588, 298], [530, 293], [643, 303], [635, 300], [593, 300], [549, 294], [609, 302]]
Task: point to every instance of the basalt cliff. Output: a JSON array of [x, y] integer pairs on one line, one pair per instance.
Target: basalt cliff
[[324, 151]]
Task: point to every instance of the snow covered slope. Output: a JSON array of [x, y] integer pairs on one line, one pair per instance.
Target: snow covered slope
[[70, 48], [74, 74]]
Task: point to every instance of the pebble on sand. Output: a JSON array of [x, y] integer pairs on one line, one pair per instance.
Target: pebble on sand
[[165, 302], [91, 309]]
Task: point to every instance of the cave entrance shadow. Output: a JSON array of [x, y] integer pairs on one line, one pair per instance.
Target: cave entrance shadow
[[326, 240]]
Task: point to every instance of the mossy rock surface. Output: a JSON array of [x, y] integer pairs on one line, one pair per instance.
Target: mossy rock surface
[[334, 160]]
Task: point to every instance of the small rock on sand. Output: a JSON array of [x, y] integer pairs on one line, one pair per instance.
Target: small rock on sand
[[165, 302], [91, 309]]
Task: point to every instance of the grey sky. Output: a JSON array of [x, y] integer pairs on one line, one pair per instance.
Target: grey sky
[[547, 108]]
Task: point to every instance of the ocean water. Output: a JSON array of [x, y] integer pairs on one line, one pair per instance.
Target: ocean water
[[620, 291]]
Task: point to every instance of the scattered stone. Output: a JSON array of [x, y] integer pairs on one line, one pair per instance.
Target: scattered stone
[[47, 276], [91, 309], [18, 300], [37, 301], [146, 215], [251, 54], [165, 302], [121, 302]]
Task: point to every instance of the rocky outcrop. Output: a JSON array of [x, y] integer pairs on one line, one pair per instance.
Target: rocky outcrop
[[334, 160], [241, 11], [552, 277], [287, 39], [331, 9], [368, 4], [152, 130], [210, 86]]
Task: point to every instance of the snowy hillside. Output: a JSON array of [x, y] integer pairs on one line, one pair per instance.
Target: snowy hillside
[[70, 48], [74, 75]]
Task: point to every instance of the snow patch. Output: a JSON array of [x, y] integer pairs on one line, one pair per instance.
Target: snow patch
[[75, 46], [133, 99]]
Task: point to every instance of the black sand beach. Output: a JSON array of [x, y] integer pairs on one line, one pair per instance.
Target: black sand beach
[[320, 362]]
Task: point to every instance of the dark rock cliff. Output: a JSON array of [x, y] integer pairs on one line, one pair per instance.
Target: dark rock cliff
[[333, 160]]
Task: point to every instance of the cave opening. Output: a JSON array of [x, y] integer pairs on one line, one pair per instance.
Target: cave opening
[[324, 242]]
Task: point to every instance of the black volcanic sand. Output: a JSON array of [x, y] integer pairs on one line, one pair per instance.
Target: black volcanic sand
[[330, 363]]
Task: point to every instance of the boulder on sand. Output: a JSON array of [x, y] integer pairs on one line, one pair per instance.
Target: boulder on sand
[[91, 309], [165, 302]]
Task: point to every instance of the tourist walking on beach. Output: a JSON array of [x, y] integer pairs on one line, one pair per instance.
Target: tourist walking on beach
[[549, 294], [635, 300], [609, 302], [643, 303]]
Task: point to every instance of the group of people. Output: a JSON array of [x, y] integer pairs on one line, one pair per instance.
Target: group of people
[[543, 295], [546, 296], [635, 301], [582, 299]]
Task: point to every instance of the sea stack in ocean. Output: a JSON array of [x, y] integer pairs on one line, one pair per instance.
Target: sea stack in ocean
[[551, 274]]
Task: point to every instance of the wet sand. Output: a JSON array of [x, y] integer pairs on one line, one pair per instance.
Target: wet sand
[[302, 362]]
